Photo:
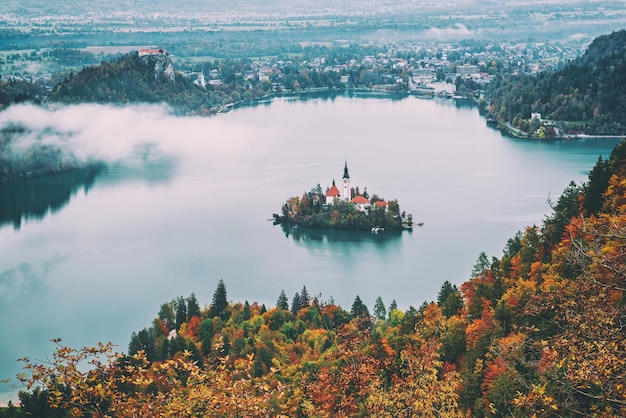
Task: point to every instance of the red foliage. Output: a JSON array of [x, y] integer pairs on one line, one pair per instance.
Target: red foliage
[[163, 328], [193, 328]]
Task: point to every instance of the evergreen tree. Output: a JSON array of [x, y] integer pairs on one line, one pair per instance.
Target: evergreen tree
[[282, 302], [305, 299], [481, 266], [444, 291], [35, 404], [565, 208], [163, 349], [181, 311], [219, 303], [166, 315], [206, 335], [178, 345], [408, 322], [296, 304], [359, 309], [596, 186], [246, 311], [193, 308], [392, 307], [449, 299], [513, 245], [143, 340], [380, 312]]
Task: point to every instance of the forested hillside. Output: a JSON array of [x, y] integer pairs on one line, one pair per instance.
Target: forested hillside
[[132, 79], [19, 91], [589, 93], [538, 331]]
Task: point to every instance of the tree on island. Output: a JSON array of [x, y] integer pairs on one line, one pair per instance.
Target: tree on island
[[310, 210]]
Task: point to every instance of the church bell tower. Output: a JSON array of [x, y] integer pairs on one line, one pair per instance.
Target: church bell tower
[[345, 191]]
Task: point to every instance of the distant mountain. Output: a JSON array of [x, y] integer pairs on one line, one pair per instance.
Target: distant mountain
[[132, 78], [589, 93]]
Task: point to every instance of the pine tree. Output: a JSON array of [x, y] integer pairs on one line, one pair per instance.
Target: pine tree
[[481, 266], [219, 303], [305, 299], [392, 307], [449, 299], [296, 304], [206, 335], [380, 312], [596, 186], [246, 311], [359, 309], [181, 311], [193, 309], [445, 290], [282, 302]]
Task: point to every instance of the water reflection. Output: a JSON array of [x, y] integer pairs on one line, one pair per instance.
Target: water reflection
[[326, 95], [317, 236], [465, 103], [158, 171], [33, 199]]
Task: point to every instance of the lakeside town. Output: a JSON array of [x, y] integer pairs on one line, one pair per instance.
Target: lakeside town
[[461, 70], [429, 68]]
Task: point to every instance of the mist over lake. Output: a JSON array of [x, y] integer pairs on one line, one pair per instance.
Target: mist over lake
[[185, 202]]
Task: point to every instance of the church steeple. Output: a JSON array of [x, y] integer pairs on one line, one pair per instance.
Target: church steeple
[[345, 192]]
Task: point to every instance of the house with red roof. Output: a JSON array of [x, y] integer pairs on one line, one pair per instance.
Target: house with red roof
[[332, 193], [381, 204], [361, 202], [147, 51]]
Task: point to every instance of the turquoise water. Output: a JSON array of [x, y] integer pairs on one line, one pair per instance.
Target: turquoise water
[[185, 202]]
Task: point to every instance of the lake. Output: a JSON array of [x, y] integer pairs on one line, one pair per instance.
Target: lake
[[184, 202]]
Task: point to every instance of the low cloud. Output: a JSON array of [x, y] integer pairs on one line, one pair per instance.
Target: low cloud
[[458, 31], [128, 135], [580, 36], [87, 132]]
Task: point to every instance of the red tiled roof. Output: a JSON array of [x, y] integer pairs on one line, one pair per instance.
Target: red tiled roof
[[359, 200], [147, 51], [381, 203], [333, 191]]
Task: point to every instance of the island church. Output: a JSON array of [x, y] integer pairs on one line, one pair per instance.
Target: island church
[[333, 194]]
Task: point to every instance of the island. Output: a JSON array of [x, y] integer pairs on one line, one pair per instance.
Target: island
[[345, 208]]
